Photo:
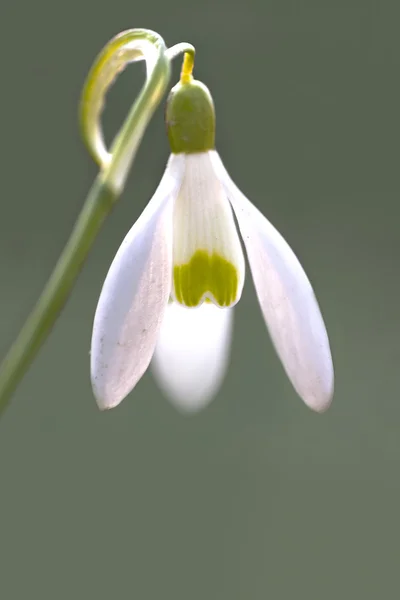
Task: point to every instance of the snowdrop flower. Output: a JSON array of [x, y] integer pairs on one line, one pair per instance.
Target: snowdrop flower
[[180, 270]]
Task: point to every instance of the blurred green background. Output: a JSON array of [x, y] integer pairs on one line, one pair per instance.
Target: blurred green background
[[256, 497]]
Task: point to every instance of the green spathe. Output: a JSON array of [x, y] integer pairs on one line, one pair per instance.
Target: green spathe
[[190, 118], [206, 275]]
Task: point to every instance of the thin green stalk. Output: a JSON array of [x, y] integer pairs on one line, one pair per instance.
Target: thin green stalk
[[42, 318]]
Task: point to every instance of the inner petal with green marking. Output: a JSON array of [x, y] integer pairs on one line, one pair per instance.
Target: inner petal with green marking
[[207, 255]]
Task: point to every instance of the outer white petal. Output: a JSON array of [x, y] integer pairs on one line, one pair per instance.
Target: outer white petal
[[134, 296], [192, 353], [287, 301]]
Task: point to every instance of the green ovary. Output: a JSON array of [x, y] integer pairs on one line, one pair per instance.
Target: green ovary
[[206, 276]]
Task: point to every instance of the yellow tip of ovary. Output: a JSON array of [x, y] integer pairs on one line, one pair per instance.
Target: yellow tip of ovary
[[206, 277]]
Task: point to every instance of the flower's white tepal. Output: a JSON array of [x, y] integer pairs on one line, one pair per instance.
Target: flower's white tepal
[[178, 273]]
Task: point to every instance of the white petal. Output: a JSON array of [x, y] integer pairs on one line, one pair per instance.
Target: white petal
[[287, 301], [192, 353], [134, 296], [208, 257]]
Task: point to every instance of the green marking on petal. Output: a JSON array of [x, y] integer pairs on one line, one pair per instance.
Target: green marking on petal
[[206, 274]]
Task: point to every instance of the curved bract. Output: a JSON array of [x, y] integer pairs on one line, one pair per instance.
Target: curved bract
[[128, 46]]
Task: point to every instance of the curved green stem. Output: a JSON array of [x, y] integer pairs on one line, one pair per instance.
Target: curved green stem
[[128, 46], [182, 47]]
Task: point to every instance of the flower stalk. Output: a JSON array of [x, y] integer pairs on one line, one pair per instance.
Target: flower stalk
[[187, 68]]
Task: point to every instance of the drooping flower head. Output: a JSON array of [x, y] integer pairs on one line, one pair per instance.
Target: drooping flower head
[[180, 270]]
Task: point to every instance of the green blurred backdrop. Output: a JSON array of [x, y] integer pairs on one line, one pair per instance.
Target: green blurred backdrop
[[256, 497]]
